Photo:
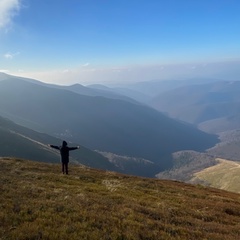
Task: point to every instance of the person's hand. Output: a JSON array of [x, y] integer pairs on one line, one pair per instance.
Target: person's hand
[[78, 147]]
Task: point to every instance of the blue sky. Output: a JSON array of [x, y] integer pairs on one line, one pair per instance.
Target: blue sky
[[90, 41]]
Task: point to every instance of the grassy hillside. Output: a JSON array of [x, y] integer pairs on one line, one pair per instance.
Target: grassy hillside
[[225, 175], [206, 169], [37, 202]]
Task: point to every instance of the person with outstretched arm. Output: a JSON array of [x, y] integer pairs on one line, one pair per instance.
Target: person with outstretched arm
[[64, 151]]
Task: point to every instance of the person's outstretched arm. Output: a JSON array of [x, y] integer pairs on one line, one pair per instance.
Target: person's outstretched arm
[[52, 146], [73, 148]]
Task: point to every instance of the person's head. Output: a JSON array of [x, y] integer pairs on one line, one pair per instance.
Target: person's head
[[64, 143]]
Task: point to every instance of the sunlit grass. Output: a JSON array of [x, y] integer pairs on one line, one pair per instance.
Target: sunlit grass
[[225, 175], [38, 202]]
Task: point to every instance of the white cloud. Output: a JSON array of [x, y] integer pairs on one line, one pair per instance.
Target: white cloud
[[85, 64], [10, 55], [8, 9]]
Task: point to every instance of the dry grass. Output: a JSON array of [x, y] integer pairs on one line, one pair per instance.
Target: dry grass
[[37, 202], [225, 175]]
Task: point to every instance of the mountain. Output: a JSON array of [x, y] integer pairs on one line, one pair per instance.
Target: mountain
[[228, 148], [108, 125], [222, 124], [21, 142], [39, 203], [213, 106], [123, 91], [4, 76], [17, 141], [186, 164], [94, 90], [100, 92], [151, 89]]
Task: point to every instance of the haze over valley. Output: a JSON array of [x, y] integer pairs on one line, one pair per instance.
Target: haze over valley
[[100, 123]]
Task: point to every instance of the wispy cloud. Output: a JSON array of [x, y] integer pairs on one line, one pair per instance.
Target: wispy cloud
[[10, 55], [85, 65], [8, 9]]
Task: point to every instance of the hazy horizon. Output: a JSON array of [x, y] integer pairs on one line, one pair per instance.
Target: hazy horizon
[[108, 42]]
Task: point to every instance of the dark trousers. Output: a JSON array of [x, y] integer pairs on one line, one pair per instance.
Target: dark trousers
[[64, 168]]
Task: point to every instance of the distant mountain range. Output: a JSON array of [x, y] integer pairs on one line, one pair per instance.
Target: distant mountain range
[[113, 123], [214, 107]]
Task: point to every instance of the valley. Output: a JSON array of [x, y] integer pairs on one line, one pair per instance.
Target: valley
[[122, 127], [122, 133]]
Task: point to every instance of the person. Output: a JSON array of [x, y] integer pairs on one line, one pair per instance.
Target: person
[[64, 151]]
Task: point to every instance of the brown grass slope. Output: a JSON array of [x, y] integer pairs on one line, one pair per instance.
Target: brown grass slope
[[37, 202], [225, 175]]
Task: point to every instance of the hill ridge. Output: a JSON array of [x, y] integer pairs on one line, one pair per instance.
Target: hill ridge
[[224, 175]]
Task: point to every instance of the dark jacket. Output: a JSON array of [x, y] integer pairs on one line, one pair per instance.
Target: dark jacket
[[64, 150]]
